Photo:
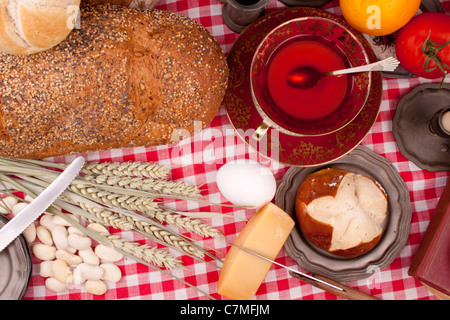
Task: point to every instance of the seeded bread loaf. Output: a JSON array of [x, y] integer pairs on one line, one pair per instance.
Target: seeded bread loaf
[[126, 78], [139, 4]]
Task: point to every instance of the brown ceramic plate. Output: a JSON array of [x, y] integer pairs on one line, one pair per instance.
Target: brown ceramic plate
[[276, 145], [395, 228], [15, 268]]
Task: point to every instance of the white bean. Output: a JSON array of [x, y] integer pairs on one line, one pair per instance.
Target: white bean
[[79, 242], [111, 272], [74, 230], [18, 207], [59, 235], [45, 268], [7, 204], [28, 198], [107, 253], [70, 258], [30, 233], [98, 227], [91, 272], [77, 278], [47, 221], [88, 255], [44, 251], [60, 221], [61, 271], [70, 249], [44, 235], [55, 285], [96, 287]]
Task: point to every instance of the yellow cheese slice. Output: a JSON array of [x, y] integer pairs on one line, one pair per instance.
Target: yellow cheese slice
[[265, 233]]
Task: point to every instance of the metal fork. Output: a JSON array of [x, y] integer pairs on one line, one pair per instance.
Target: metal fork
[[388, 64]]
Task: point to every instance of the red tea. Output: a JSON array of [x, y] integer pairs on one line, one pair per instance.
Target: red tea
[[306, 104]]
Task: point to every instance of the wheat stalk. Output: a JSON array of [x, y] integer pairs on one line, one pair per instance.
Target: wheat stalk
[[135, 251], [140, 253], [192, 225], [147, 206], [146, 253], [177, 188], [139, 198], [93, 212], [113, 199], [127, 222], [107, 217], [130, 169], [83, 194], [167, 237]]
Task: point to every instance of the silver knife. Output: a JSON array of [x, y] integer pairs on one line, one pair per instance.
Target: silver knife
[[321, 282], [24, 218], [288, 268]]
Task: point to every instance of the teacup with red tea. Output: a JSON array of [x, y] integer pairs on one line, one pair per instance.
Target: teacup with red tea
[[329, 105]]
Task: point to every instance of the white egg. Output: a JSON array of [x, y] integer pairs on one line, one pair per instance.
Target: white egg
[[246, 183]]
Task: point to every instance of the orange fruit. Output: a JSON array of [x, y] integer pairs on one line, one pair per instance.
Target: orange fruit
[[378, 17]]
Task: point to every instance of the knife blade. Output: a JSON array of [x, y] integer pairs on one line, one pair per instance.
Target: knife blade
[[24, 218], [319, 281], [283, 266]]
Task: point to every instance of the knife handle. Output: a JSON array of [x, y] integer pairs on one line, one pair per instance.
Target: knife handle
[[346, 292]]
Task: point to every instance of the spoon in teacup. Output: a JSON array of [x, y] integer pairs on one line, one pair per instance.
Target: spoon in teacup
[[307, 77]]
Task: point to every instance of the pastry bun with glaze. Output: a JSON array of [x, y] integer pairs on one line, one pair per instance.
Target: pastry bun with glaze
[[31, 26], [341, 212]]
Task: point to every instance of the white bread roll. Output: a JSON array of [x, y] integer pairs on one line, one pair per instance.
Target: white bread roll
[[341, 212], [31, 26]]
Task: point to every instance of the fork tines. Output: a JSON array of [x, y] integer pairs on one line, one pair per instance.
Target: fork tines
[[389, 64]]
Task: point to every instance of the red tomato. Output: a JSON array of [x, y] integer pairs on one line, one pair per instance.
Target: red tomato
[[423, 45]]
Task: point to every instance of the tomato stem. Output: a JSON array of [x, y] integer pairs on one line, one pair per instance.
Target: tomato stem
[[431, 50]]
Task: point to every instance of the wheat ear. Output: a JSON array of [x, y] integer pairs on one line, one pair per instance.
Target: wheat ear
[[127, 222], [147, 206], [113, 199], [144, 252], [192, 225], [162, 186], [106, 217], [130, 169]]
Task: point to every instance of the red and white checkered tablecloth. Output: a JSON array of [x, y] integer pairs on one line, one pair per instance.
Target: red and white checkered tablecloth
[[197, 159]]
